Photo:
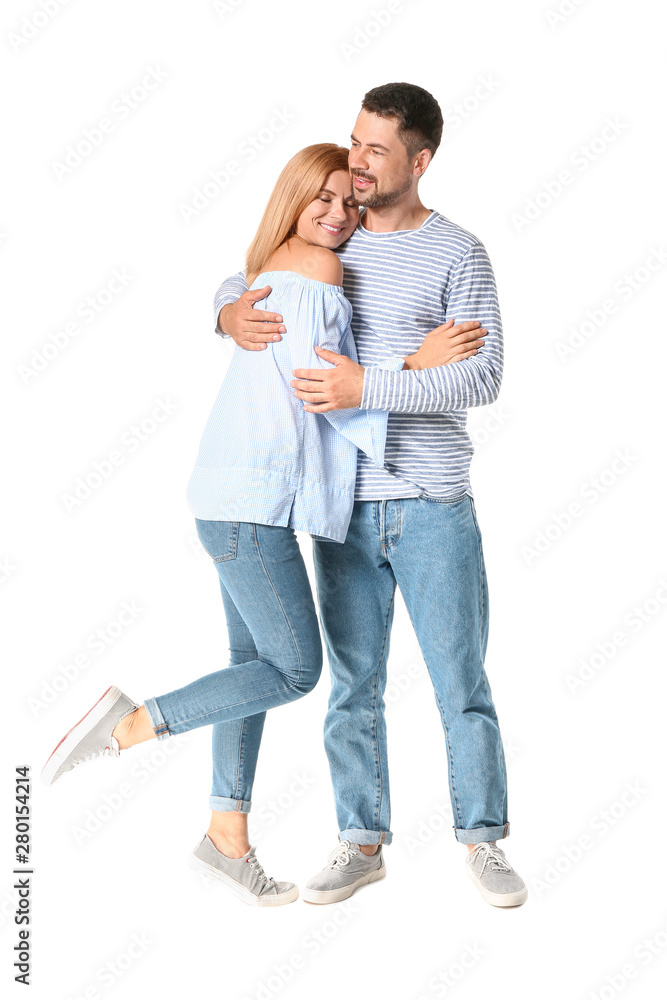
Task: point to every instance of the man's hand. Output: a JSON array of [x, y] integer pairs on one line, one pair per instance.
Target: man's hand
[[446, 344], [251, 328], [325, 389]]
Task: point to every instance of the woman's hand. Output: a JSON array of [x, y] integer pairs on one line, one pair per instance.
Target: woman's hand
[[446, 344]]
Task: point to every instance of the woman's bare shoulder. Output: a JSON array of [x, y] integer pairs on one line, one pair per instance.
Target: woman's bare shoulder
[[317, 263]]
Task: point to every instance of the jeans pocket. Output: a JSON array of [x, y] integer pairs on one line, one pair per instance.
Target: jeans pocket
[[448, 500], [219, 538]]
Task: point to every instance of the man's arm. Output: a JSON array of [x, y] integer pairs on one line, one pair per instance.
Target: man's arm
[[230, 290], [474, 381], [236, 317]]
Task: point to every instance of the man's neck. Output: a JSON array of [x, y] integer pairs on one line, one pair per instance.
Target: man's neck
[[393, 218]]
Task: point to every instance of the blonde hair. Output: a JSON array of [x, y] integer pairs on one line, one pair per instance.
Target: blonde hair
[[299, 183]]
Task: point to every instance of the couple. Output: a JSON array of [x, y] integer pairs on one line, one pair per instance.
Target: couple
[[379, 479]]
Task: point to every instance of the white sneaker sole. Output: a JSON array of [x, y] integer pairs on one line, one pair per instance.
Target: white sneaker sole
[[78, 732], [335, 895], [497, 898], [240, 891]]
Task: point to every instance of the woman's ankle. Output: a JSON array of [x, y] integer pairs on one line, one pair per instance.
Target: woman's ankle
[[229, 832], [122, 731], [231, 847], [135, 727]]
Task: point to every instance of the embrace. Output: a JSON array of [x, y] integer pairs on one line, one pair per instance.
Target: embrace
[[365, 325]]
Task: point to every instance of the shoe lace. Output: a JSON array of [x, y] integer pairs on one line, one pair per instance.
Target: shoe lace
[[341, 855], [257, 868], [492, 859], [111, 751]]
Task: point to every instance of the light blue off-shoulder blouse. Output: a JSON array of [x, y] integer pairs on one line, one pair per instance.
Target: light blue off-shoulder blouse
[[262, 457]]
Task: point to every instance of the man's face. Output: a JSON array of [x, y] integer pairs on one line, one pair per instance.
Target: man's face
[[378, 162]]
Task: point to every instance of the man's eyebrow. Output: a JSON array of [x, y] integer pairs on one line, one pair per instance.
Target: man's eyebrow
[[375, 144]]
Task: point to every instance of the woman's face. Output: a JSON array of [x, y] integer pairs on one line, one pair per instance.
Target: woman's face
[[333, 216]]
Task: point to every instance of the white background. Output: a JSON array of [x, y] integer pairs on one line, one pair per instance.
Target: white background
[[534, 91]]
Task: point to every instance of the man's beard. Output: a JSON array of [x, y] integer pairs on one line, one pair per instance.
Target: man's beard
[[383, 198]]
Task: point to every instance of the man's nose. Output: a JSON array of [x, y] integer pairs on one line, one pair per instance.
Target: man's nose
[[357, 160]]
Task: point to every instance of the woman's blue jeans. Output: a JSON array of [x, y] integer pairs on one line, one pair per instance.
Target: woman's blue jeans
[[275, 646]]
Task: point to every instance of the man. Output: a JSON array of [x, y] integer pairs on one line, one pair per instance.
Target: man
[[407, 269]]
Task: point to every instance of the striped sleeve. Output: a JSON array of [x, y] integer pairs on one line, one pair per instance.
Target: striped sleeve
[[471, 295], [230, 290]]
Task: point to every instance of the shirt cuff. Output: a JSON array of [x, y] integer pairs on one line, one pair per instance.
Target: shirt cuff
[[217, 306], [395, 363]]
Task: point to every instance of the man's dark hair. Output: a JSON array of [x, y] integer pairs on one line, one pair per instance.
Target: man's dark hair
[[417, 113]]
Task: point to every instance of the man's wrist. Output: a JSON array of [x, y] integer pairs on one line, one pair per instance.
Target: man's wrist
[[221, 322]]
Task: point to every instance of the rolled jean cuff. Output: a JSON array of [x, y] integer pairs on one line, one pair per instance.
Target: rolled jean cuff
[[366, 837], [482, 834], [156, 717], [220, 804]]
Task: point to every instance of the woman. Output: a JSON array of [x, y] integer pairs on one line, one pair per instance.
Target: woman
[[264, 469]]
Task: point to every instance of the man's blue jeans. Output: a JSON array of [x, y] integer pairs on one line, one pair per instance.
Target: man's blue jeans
[[433, 550]]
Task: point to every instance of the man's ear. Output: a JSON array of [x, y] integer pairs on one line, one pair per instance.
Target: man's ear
[[421, 161]]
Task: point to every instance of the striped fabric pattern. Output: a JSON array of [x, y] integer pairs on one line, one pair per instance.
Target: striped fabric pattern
[[401, 285], [262, 458]]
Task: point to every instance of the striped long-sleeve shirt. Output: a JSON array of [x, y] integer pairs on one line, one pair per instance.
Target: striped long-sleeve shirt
[[401, 285]]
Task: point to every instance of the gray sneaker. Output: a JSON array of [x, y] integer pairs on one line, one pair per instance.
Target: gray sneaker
[[244, 876], [346, 869], [494, 876], [91, 736]]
